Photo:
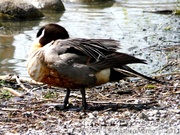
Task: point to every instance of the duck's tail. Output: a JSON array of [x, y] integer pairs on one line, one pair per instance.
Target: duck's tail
[[129, 72]]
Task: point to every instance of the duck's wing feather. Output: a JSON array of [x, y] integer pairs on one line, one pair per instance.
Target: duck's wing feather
[[92, 48], [116, 60], [101, 53]]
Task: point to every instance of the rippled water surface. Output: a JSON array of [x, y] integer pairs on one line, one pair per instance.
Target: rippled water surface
[[124, 20]]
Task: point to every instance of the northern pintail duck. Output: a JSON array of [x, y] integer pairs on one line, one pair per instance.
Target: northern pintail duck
[[57, 60]]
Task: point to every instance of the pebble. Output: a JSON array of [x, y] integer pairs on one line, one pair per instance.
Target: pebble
[[91, 116], [27, 114], [149, 92], [123, 123], [143, 116], [152, 112]]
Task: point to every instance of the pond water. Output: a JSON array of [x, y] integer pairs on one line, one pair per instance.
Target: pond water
[[142, 34]]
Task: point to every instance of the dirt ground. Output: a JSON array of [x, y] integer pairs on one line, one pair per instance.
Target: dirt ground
[[132, 106]]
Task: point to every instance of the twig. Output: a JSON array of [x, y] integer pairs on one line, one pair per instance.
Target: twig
[[116, 102], [22, 85], [171, 63], [176, 92], [173, 73], [37, 88], [169, 87], [10, 109], [13, 120], [169, 41], [12, 77], [102, 94], [13, 92], [34, 102], [107, 110]]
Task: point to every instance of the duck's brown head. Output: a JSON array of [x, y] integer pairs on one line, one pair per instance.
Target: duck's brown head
[[51, 32], [46, 34]]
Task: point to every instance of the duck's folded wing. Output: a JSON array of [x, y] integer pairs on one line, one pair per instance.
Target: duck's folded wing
[[92, 48], [100, 54], [115, 60]]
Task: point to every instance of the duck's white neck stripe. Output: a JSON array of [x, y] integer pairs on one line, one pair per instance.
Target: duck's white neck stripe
[[42, 34]]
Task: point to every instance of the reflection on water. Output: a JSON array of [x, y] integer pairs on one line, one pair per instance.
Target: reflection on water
[[122, 20], [100, 4], [5, 57]]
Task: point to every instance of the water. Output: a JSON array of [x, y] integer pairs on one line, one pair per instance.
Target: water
[[122, 20]]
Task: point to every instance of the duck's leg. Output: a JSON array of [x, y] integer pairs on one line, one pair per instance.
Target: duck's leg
[[66, 99], [84, 103]]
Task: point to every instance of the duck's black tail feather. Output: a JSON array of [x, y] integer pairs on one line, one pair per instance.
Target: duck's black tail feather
[[129, 72]]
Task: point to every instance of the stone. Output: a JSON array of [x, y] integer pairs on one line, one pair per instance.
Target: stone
[[18, 10], [48, 5]]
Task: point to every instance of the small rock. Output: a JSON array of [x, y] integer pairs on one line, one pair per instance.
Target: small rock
[[50, 109], [138, 101], [91, 116], [123, 123], [169, 77], [176, 84], [88, 122], [27, 114], [143, 116], [113, 121], [95, 113], [102, 121], [127, 113], [149, 92], [152, 112]]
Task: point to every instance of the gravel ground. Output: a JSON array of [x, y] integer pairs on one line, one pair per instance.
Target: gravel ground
[[128, 107], [133, 106]]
